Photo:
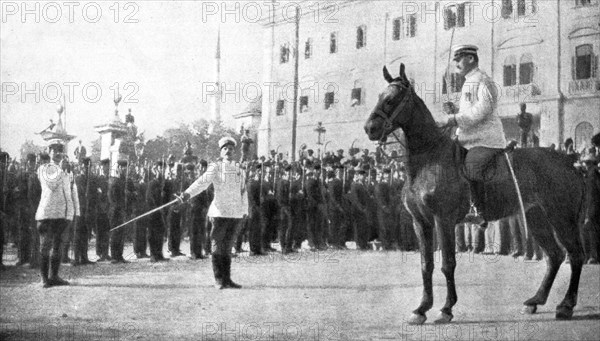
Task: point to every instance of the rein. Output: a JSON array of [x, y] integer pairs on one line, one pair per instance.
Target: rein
[[388, 127]]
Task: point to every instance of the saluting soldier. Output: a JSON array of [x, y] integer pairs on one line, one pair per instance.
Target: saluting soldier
[[227, 209], [102, 220], [156, 197], [117, 198]]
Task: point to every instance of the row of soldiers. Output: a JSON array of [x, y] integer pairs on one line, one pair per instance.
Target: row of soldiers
[[327, 201]]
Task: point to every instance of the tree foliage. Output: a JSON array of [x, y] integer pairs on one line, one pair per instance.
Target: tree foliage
[[30, 147]]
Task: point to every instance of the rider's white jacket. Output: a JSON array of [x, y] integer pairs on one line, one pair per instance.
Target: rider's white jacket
[[478, 120]]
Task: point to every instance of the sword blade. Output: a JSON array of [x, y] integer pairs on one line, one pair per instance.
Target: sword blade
[[146, 214]]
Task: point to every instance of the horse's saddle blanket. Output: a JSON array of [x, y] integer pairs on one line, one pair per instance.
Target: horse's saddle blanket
[[484, 164]]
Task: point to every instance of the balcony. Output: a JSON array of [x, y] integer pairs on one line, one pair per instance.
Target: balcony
[[584, 86]]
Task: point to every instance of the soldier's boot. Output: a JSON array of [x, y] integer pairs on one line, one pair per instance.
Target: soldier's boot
[[218, 269], [475, 215], [54, 267], [44, 265], [227, 274]]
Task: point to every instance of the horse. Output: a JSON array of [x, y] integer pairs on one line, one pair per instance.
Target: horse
[[437, 195]]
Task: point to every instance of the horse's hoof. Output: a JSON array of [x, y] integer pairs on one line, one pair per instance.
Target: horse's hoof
[[443, 318], [529, 309], [564, 313], [417, 319]]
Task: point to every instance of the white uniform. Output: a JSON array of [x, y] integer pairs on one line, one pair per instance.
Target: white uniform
[[56, 201], [478, 122], [230, 197]]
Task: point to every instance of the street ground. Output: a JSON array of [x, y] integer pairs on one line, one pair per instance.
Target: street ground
[[327, 295]]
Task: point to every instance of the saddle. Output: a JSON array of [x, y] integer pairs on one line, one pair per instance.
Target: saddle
[[483, 164]]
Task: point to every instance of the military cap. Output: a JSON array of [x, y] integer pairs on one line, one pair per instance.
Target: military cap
[[288, 168], [317, 167], [340, 150], [189, 166], [330, 174], [226, 141], [122, 163], [310, 151], [463, 50], [203, 163], [386, 170], [105, 162], [31, 157], [86, 161], [359, 170], [159, 163]]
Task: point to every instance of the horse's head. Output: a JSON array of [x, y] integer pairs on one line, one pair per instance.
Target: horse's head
[[393, 107]]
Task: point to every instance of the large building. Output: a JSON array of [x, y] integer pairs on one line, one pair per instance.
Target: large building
[[543, 53]]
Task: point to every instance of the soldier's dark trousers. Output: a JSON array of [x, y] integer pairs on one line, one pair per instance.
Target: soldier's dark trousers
[[174, 222], [336, 228], [50, 231], [197, 231], [385, 228], [117, 237], [80, 242], [156, 231], [361, 231], [24, 224], [67, 238], [34, 261], [314, 225], [243, 234], [140, 242], [222, 235], [269, 222], [255, 230], [285, 228], [102, 234]]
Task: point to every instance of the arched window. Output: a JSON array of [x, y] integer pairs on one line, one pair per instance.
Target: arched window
[[510, 71], [583, 135], [526, 69]]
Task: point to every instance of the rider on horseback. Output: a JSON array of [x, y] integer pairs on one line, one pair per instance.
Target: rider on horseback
[[479, 127]]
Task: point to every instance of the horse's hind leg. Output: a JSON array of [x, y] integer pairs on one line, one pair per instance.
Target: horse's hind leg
[[540, 228], [446, 232], [425, 234], [568, 235]]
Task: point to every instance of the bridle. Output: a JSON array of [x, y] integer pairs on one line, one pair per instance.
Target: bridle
[[388, 125]]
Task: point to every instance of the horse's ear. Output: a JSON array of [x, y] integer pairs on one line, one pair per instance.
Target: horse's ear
[[402, 74], [386, 75]]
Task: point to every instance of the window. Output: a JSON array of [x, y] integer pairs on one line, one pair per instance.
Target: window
[[303, 103], [456, 83], [361, 37], [507, 8], [510, 71], [284, 54], [460, 20], [405, 27], [396, 29], [521, 8], [533, 6], [356, 95], [584, 62], [280, 107], [526, 69], [583, 2], [450, 15], [333, 42], [308, 48], [329, 100]]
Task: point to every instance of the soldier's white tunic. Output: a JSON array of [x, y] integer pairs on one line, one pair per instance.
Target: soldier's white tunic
[[56, 201], [478, 120], [228, 179]]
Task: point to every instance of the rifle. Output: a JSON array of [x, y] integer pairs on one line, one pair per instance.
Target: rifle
[[87, 191], [126, 185]]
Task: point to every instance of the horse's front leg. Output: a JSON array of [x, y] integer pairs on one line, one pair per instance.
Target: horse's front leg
[[425, 235], [447, 238]]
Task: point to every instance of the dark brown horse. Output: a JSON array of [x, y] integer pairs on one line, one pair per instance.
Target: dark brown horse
[[437, 196]]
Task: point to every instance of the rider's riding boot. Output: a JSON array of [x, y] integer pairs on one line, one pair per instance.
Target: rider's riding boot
[[475, 215]]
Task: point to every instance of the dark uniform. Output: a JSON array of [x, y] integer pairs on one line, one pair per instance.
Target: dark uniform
[[117, 186], [335, 204], [80, 238], [255, 227], [298, 206], [286, 224], [140, 242], [359, 197], [385, 212], [314, 217], [24, 216], [102, 220], [34, 194], [155, 197], [269, 213], [175, 212]]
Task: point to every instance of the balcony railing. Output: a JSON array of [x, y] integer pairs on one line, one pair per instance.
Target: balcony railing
[[584, 86]]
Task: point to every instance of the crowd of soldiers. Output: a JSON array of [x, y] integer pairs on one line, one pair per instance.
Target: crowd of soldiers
[[325, 199]]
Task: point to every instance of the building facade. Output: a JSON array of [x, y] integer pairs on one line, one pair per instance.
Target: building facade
[[543, 53]]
